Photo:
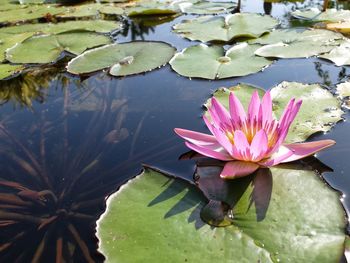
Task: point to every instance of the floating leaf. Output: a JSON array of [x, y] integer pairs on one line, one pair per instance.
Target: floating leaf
[[82, 11], [48, 48], [343, 89], [319, 112], [206, 7], [111, 10], [100, 26], [330, 15], [151, 8], [9, 40], [217, 28], [213, 62], [294, 44], [7, 70], [339, 55], [123, 59], [158, 217], [30, 13]]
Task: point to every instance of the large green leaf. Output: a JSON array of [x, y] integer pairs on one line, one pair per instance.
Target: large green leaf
[[151, 8], [206, 7], [9, 40], [339, 55], [156, 218], [123, 59], [218, 28], [319, 112], [330, 15], [48, 48], [100, 26], [7, 70], [213, 62], [295, 44], [29, 13]]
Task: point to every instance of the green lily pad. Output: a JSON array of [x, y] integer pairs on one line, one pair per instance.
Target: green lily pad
[[343, 89], [294, 44], [111, 10], [151, 8], [213, 62], [48, 48], [156, 218], [206, 7], [85, 10], [319, 112], [123, 59], [9, 40], [339, 55], [30, 13], [100, 26], [218, 28], [330, 15], [7, 70]]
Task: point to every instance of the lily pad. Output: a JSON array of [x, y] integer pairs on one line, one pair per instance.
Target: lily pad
[[100, 26], [7, 70], [123, 59], [151, 8], [9, 40], [206, 7], [319, 112], [294, 44], [87, 10], [48, 48], [30, 13], [213, 62], [330, 15], [218, 28], [339, 55], [156, 218], [343, 89]]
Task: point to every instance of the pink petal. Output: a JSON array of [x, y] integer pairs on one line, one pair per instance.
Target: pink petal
[[237, 111], [221, 112], [267, 108], [238, 169], [301, 150], [242, 145], [196, 137], [208, 123], [259, 147], [279, 156], [218, 153], [254, 106]]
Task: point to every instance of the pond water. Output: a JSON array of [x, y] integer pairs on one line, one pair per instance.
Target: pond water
[[88, 136]]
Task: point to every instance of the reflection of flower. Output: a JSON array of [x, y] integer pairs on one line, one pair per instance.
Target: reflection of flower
[[252, 140]]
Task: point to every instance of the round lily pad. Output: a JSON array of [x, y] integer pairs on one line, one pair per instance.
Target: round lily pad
[[330, 15], [212, 62], [157, 218], [206, 7], [295, 44], [339, 55], [343, 89], [7, 70], [123, 59], [48, 48], [218, 28]]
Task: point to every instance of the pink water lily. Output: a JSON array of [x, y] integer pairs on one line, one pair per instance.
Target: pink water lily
[[247, 141]]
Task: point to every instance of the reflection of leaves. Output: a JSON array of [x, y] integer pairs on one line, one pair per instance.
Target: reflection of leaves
[[30, 86]]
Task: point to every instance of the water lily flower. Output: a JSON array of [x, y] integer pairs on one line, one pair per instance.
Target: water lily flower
[[247, 141]]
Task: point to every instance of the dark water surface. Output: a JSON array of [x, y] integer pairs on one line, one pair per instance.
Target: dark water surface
[[82, 138]]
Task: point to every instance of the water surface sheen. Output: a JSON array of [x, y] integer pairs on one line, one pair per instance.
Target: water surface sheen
[[91, 135]]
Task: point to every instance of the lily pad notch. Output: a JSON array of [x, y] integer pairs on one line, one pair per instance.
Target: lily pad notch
[[123, 59]]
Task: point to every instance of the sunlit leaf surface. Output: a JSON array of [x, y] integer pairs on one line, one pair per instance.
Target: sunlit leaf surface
[[123, 59], [213, 62], [218, 28], [48, 48], [296, 44], [158, 217]]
